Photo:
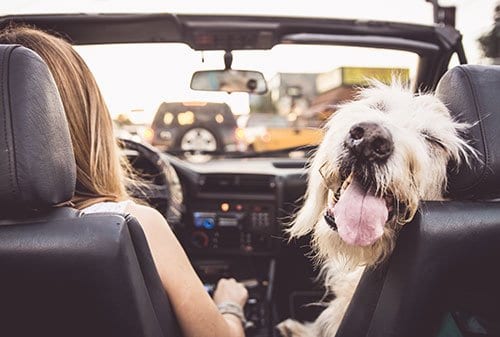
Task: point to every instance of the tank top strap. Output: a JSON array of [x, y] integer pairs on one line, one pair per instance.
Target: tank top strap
[[108, 207]]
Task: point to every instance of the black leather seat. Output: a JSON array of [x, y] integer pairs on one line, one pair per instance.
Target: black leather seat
[[62, 273], [447, 258]]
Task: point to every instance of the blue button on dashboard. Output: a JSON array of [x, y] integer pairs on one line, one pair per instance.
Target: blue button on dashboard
[[208, 223]]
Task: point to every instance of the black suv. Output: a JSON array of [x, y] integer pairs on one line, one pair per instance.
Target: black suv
[[194, 126]]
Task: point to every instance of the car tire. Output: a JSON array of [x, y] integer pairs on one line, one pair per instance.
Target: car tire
[[201, 138]]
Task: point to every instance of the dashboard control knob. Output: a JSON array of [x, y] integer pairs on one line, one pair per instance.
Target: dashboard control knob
[[208, 223], [199, 239]]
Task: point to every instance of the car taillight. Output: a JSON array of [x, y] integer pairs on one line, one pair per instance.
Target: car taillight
[[148, 134]]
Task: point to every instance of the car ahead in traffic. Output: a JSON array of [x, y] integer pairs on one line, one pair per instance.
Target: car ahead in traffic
[[270, 132], [194, 126], [231, 212]]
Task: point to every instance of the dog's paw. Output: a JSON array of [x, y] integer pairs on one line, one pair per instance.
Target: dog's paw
[[292, 328]]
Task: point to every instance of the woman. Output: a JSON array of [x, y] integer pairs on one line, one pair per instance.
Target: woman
[[101, 177]]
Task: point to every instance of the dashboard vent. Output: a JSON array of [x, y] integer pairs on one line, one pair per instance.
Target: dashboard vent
[[221, 183]]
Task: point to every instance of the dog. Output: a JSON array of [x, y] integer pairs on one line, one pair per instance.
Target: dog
[[381, 154]]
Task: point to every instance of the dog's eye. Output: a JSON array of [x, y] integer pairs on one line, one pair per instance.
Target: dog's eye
[[431, 139]]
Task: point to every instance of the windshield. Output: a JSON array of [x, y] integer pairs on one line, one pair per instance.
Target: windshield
[[147, 89]]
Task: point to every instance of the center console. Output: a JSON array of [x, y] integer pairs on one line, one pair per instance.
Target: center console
[[229, 230], [257, 276], [242, 225]]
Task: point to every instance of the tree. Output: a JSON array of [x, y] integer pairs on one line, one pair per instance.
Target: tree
[[490, 41]]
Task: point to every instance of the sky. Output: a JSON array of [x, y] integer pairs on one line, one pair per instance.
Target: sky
[[129, 86]]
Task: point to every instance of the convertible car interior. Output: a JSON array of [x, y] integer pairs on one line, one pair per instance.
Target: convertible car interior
[[68, 274]]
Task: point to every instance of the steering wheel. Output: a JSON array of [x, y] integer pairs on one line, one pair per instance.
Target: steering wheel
[[158, 183]]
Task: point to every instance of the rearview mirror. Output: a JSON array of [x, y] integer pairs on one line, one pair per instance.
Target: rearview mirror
[[229, 80]]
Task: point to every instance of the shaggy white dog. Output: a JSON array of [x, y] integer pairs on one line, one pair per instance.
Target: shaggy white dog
[[381, 155]]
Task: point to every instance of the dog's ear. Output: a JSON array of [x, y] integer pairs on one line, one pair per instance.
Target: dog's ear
[[314, 200]]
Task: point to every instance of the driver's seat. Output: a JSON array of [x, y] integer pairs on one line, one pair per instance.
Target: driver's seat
[[62, 273]]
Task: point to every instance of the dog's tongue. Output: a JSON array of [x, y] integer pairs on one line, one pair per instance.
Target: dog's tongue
[[360, 215]]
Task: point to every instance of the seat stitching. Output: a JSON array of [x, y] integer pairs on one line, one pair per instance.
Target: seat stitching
[[485, 172], [3, 63]]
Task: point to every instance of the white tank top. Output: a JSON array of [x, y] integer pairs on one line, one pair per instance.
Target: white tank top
[[108, 207]]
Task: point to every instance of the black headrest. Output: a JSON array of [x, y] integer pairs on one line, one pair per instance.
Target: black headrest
[[472, 93], [37, 164]]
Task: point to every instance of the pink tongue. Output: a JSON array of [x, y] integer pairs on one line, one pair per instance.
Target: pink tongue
[[360, 216]]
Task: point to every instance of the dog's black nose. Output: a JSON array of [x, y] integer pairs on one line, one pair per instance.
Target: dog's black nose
[[370, 141]]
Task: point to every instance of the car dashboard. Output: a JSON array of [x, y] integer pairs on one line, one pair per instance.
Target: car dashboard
[[235, 212], [229, 215], [235, 206]]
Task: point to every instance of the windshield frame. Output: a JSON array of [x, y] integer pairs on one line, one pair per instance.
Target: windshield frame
[[434, 44]]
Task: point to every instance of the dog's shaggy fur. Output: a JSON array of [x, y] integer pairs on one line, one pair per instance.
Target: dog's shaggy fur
[[425, 141]]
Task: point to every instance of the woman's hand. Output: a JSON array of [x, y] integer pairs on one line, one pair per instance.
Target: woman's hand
[[228, 290]]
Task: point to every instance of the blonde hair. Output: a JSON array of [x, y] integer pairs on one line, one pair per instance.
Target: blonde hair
[[101, 171]]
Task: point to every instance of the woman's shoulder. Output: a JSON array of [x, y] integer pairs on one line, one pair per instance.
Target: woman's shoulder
[[154, 225], [144, 214]]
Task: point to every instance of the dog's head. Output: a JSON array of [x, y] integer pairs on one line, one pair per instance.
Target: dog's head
[[381, 154]]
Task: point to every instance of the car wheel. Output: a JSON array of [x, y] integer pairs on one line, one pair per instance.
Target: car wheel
[[197, 140]]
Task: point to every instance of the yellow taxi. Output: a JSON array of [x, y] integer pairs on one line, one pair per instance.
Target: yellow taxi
[[268, 132]]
